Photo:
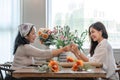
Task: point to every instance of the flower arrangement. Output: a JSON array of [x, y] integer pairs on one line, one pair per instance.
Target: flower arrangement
[[46, 36], [51, 66], [61, 36], [79, 65], [64, 37], [54, 66]]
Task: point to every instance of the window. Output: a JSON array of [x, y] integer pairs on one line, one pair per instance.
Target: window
[[9, 20], [80, 14]]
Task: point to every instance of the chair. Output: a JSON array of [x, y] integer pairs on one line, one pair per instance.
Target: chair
[[5, 70], [118, 70]]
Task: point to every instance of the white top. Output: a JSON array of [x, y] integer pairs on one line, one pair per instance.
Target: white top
[[104, 54], [24, 54]]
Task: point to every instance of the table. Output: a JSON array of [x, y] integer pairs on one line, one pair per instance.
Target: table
[[64, 73]]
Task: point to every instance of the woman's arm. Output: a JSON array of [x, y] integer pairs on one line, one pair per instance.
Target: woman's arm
[[35, 52], [56, 52], [82, 56]]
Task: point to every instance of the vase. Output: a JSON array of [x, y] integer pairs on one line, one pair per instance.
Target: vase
[[63, 56]]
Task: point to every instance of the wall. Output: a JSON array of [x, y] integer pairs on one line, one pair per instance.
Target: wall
[[33, 11], [117, 55]]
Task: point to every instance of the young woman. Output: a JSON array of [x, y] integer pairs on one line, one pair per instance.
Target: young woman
[[24, 51], [100, 50]]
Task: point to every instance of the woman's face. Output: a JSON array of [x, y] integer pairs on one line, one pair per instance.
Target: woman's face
[[95, 34], [31, 37]]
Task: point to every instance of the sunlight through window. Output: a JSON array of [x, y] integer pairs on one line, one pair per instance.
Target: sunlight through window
[[80, 14]]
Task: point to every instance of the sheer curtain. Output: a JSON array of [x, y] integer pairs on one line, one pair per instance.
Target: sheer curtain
[[9, 20]]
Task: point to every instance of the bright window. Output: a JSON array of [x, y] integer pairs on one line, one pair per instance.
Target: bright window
[[80, 14], [9, 20]]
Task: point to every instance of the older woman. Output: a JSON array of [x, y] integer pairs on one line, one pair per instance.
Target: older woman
[[24, 51]]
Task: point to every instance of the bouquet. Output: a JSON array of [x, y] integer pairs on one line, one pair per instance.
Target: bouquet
[[64, 37], [46, 36]]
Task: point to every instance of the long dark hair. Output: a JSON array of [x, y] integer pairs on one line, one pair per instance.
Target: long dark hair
[[19, 40], [99, 27]]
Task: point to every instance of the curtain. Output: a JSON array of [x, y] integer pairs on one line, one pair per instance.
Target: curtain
[[9, 20]]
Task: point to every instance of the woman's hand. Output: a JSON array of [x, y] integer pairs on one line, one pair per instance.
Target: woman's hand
[[74, 49], [66, 48], [77, 53]]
